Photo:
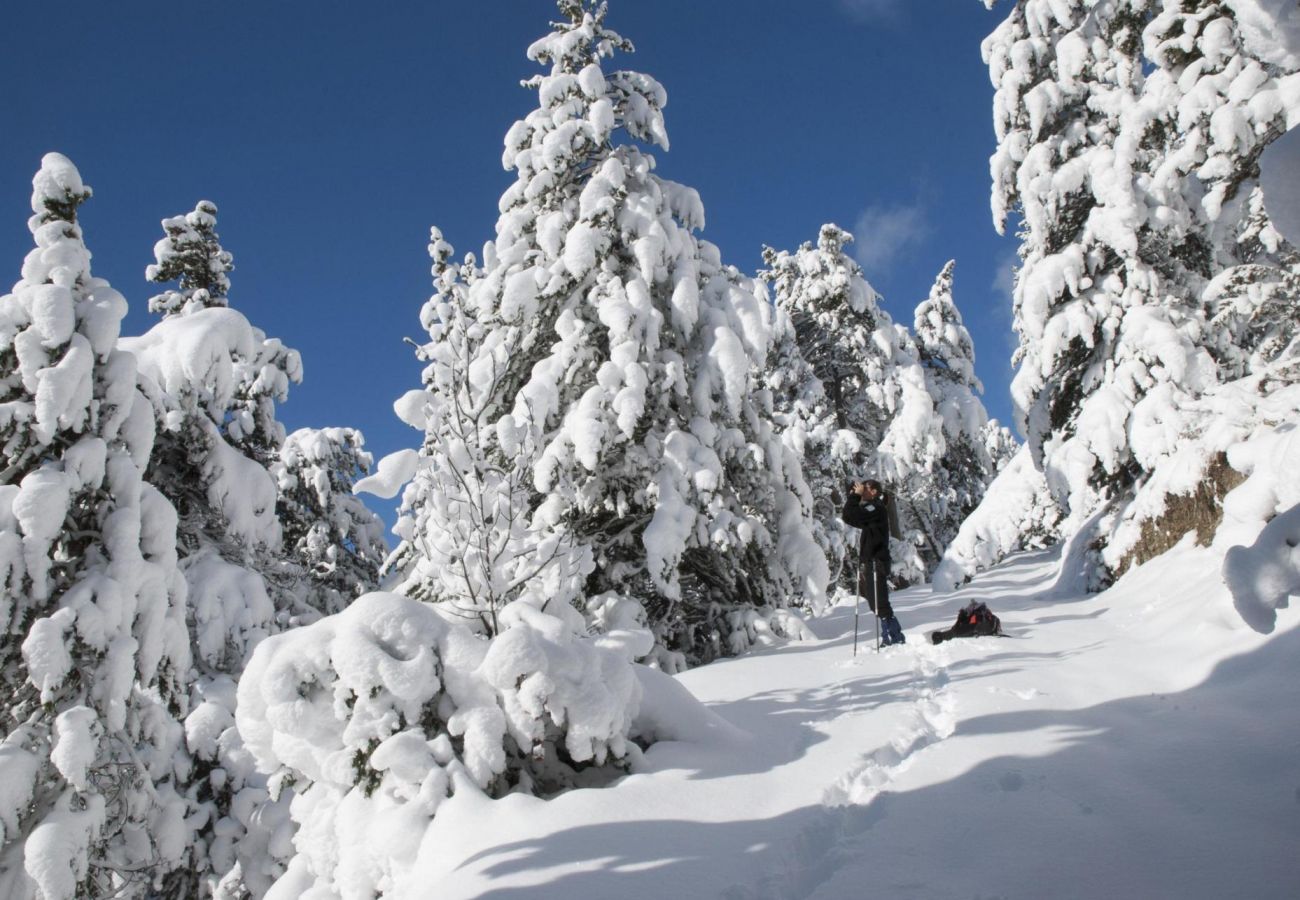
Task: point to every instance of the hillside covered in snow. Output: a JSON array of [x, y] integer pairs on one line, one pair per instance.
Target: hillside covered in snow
[[1134, 743]]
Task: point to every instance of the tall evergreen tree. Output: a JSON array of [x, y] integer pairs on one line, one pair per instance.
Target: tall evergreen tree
[[1106, 339], [936, 445], [1129, 138], [190, 254], [214, 380], [1209, 109], [807, 423], [853, 349], [94, 655], [628, 391], [840, 329]]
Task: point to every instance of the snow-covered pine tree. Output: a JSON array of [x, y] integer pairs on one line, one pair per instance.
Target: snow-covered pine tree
[[840, 329], [1145, 240], [1208, 110], [1108, 343], [327, 531], [853, 348], [628, 393], [943, 488], [1212, 103], [94, 653], [214, 380], [912, 444], [1000, 445], [807, 424], [191, 255]]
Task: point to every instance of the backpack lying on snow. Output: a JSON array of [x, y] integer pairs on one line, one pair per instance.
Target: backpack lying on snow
[[975, 620]]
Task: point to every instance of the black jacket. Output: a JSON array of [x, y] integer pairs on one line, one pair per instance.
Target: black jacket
[[873, 518]]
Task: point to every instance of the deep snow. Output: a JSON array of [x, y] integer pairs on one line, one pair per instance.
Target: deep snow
[[1137, 743]]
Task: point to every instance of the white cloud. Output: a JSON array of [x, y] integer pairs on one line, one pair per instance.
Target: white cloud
[[1003, 286], [1004, 280], [883, 233], [873, 10]]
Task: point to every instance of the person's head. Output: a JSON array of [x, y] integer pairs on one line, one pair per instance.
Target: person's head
[[872, 488]]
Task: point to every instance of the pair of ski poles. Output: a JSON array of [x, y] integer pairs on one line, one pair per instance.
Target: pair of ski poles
[[875, 605]]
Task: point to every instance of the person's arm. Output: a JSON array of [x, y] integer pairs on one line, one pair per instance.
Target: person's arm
[[854, 515]]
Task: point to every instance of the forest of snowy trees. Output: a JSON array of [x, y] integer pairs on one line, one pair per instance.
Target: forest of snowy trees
[[628, 458]]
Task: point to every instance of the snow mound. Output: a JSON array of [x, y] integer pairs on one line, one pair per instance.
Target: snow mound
[[386, 711]]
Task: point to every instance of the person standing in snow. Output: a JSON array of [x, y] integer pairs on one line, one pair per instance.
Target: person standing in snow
[[867, 508]]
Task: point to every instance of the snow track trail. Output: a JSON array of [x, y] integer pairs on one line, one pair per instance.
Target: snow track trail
[[930, 718], [827, 843]]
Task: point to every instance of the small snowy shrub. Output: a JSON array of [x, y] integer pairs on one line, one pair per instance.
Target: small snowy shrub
[[385, 711]]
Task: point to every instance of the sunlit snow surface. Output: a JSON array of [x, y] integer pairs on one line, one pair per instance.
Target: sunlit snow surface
[[1137, 743]]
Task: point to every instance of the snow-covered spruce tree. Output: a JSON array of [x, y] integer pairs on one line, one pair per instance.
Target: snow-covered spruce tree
[[471, 541], [807, 424], [628, 392], [327, 531], [1108, 341], [937, 450], [214, 380], [1000, 445], [1148, 242], [94, 653], [1207, 112], [191, 255], [503, 691], [1211, 104], [853, 348], [840, 329]]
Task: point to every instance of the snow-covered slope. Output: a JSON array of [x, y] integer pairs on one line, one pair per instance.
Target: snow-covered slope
[[1141, 742]]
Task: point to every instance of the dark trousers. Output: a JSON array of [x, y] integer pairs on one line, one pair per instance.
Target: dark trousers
[[878, 599]]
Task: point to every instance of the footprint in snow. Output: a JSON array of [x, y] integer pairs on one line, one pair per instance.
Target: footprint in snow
[[930, 718]]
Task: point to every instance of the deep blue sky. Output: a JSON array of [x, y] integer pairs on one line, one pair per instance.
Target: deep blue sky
[[331, 135]]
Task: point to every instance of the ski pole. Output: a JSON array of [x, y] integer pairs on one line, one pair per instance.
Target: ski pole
[[857, 600], [875, 601]]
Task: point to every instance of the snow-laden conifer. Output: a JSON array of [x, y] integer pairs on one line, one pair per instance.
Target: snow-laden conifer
[[387, 711], [1109, 343], [807, 423], [1208, 110], [1146, 242], [326, 530], [841, 330], [214, 380], [854, 350], [627, 391], [190, 254], [94, 655], [935, 449]]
